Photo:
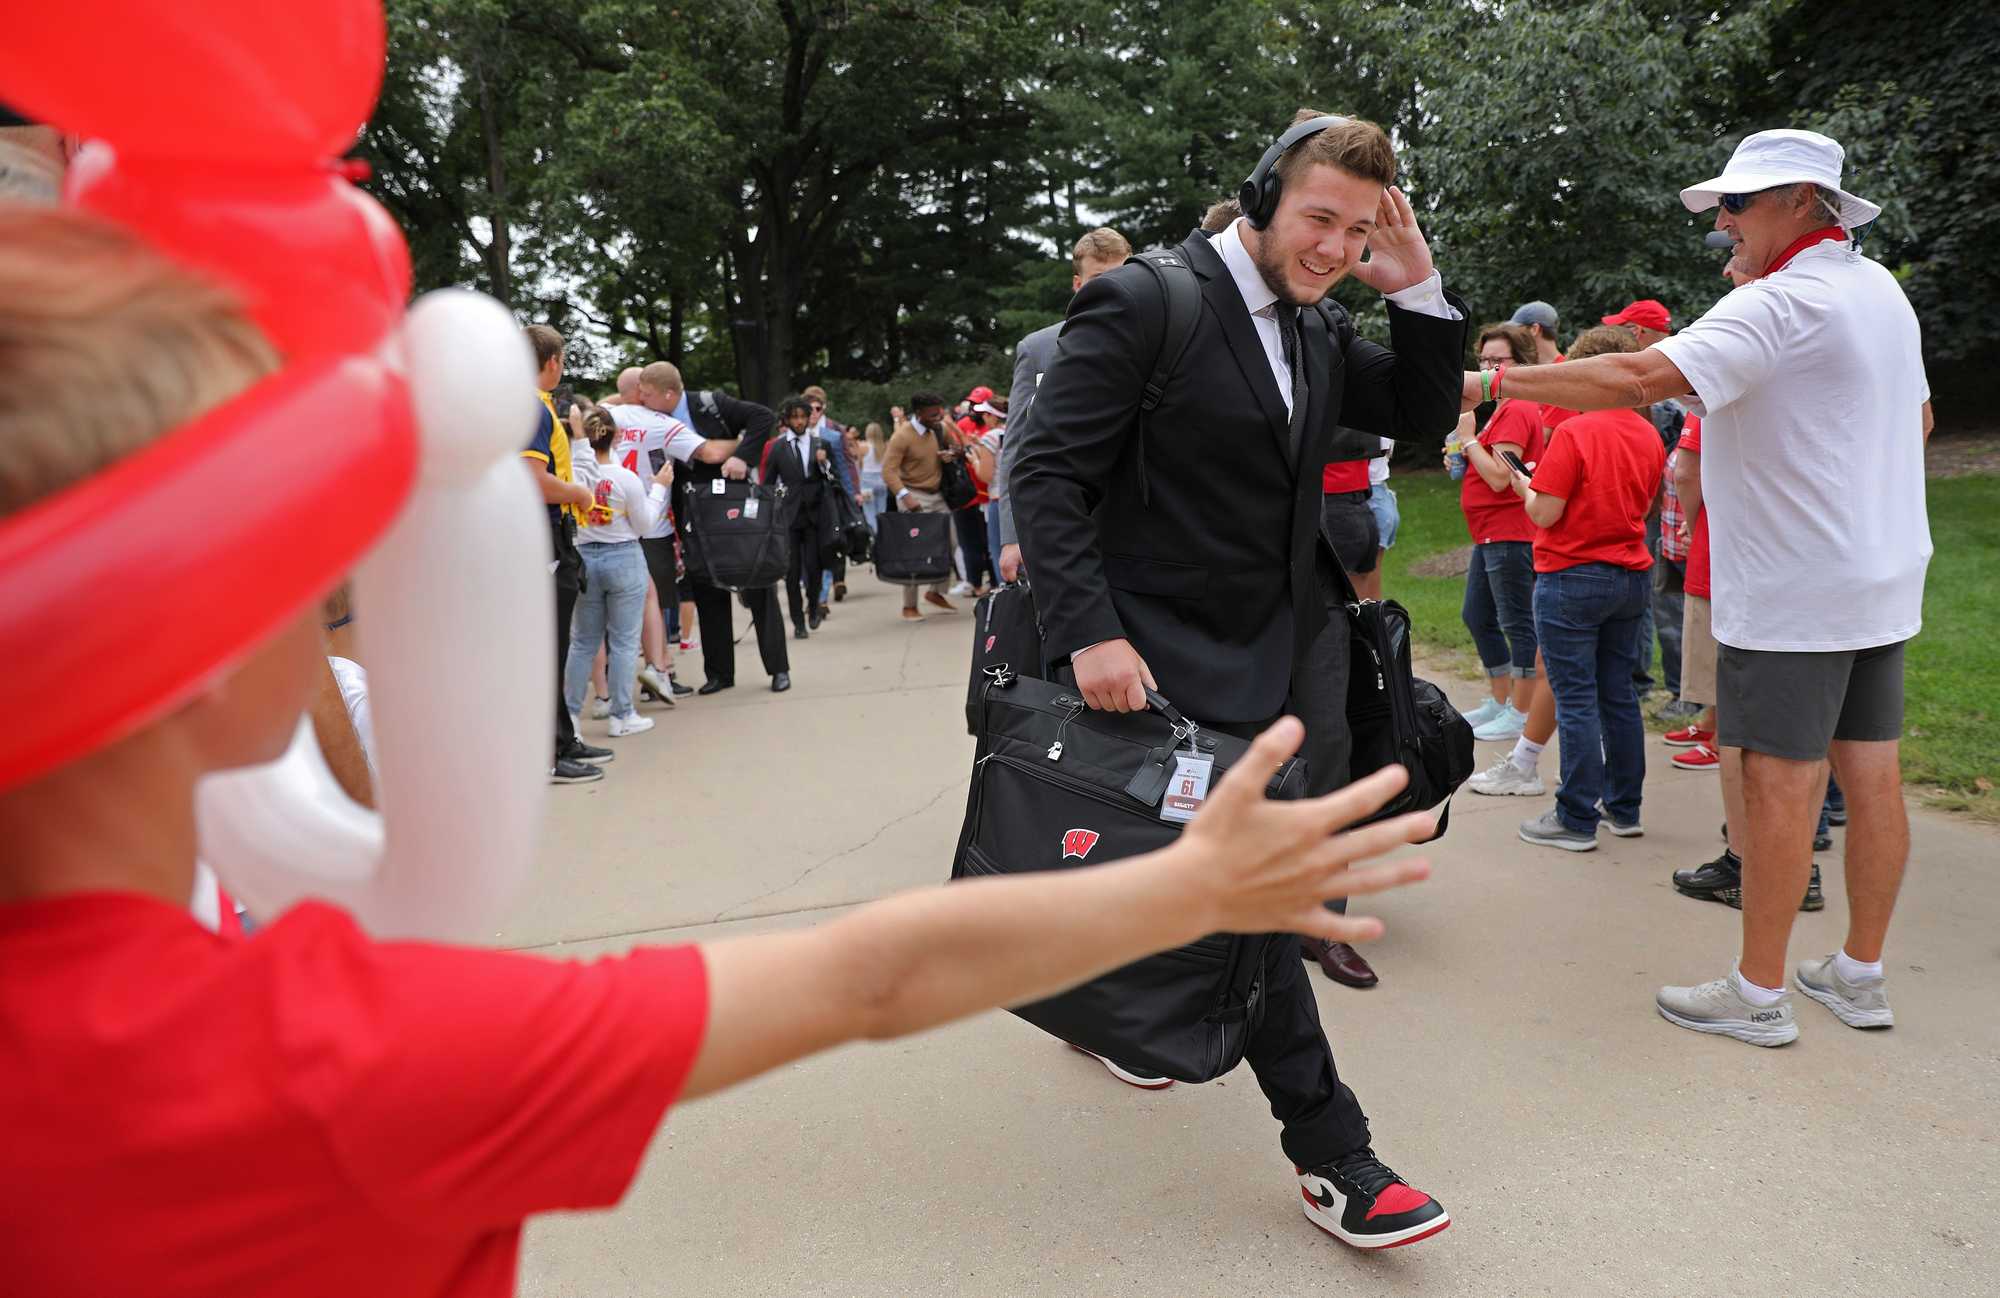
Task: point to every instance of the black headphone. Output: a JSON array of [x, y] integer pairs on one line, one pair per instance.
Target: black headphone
[[1259, 195]]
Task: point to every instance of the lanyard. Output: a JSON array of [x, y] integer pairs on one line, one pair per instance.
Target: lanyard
[[1825, 234]]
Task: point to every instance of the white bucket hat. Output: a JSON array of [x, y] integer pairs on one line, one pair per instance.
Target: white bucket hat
[[1771, 158]]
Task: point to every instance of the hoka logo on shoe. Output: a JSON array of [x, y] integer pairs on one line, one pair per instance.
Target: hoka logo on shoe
[[1767, 1016], [1078, 842]]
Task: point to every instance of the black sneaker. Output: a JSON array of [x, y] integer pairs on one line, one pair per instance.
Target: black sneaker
[[566, 771], [1360, 1202], [1815, 899], [674, 684], [582, 752], [1704, 881]]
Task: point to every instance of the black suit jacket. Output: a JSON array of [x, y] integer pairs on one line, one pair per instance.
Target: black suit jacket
[[746, 421], [1197, 541], [806, 486]]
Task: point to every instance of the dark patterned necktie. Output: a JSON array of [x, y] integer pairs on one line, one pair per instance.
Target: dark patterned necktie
[[1288, 330]]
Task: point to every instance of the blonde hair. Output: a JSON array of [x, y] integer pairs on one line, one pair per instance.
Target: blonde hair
[[1602, 340], [661, 376], [105, 347], [1104, 245]]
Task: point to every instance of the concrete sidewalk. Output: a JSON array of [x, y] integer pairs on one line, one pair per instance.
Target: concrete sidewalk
[[1511, 1061]]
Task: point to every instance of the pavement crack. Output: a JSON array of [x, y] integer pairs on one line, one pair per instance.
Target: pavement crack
[[844, 852]]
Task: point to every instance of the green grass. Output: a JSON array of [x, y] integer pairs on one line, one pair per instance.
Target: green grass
[[1951, 745]]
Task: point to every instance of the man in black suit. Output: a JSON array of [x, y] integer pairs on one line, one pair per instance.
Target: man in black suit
[[1185, 553], [719, 415], [798, 460]]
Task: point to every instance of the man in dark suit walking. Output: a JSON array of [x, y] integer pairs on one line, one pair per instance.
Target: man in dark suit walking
[[1184, 552], [800, 462]]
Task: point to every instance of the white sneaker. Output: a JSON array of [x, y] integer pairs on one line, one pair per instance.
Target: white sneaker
[[1126, 1075], [1488, 709], [630, 724], [1858, 1005], [1718, 1007], [600, 708], [1506, 724], [1504, 779], [963, 590], [650, 677]]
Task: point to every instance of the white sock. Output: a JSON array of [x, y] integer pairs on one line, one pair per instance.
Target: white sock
[[1526, 753], [1855, 971], [1761, 997]]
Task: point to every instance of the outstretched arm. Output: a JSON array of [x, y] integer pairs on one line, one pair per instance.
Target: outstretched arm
[[1246, 864], [1621, 380]]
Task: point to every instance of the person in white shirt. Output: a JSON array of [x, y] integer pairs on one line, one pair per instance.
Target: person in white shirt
[[1815, 409], [1381, 503], [614, 601]]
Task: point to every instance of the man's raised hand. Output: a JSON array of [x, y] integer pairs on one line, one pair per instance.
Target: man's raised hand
[[1397, 254]]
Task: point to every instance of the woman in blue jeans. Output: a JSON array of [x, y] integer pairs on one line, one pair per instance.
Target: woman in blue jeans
[[1500, 581], [613, 603], [1589, 499]]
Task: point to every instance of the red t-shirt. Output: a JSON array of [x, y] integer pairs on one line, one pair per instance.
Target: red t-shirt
[[310, 1112], [1553, 416], [1344, 475], [1499, 515], [1697, 561], [1606, 466]]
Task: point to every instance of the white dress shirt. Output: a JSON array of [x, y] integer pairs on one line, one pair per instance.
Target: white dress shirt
[[1425, 297]]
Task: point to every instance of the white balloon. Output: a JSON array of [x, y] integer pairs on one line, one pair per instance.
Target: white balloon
[[473, 382], [454, 612]]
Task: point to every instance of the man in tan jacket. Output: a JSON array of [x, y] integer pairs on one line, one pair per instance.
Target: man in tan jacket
[[912, 470]]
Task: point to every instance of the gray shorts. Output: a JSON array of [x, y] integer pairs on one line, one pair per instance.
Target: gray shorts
[[1794, 705]]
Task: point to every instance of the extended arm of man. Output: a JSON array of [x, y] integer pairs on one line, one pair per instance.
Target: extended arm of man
[[1084, 412], [1407, 391], [1246, 864], [1630, 380], [753, 424]]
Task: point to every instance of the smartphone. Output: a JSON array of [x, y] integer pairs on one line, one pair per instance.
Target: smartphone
[[1515, 461]]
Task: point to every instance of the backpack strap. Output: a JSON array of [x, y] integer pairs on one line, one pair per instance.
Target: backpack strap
[[706, 400], [1181, 295]]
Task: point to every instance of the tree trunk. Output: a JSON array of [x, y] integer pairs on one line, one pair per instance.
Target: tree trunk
[[499, 249], [674, 323]]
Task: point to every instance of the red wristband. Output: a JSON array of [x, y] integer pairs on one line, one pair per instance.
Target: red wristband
[[1499, 374]]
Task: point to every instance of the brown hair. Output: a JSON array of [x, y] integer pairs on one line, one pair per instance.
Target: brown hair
[[599, 428], [1220, 216], [104, 348], [1103, 245], [815, 391], [548, 344], [1355, 146], [1519, 339], [1601, 339]]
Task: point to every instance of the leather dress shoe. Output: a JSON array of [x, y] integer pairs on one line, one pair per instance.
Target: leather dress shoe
[[839, 591], [713, 686], [817, 617], [1341, 962], [799, 632], [781, 682]]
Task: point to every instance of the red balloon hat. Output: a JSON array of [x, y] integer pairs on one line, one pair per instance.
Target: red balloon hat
[[216, 132]]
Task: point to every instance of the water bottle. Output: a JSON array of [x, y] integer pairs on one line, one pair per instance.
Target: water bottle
[[1454, 456]]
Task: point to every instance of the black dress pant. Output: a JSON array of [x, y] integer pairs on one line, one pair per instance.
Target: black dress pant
[[1289, 1051], [569, 582], [718, 630], [806, 569], [970, 525]]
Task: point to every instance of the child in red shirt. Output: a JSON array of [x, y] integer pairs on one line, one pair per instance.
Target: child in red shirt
[[313, 1112]]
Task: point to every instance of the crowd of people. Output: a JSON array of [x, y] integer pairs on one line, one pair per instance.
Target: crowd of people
[[309, 1061]]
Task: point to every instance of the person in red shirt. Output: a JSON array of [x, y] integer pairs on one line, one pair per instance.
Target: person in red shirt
[[1500, 580], [1589, 498], [311, 1112]]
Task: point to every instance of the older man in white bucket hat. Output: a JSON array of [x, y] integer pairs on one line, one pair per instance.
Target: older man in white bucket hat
[[1816, 413]]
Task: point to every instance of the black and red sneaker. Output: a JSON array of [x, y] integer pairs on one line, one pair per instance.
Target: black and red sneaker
[[1360, 1202]]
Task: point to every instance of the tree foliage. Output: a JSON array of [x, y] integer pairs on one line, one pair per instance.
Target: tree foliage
[[880, 194]]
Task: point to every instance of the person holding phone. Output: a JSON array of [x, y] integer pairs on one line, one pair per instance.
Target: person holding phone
[[1588, 498]]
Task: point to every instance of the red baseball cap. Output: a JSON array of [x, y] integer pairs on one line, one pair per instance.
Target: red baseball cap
[[980, 394], [1646, 313]]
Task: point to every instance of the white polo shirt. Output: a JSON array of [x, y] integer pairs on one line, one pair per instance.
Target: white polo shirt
[[1812, 455]]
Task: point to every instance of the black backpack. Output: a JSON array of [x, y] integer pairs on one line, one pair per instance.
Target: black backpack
[[1006, 632]]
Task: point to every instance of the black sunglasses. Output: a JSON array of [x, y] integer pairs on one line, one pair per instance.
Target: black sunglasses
[[1735, 203]]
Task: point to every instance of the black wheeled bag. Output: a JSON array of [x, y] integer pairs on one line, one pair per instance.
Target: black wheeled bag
[[1397, 716], [1006, 632], [914, 549], [1059, 787], [735, 535]]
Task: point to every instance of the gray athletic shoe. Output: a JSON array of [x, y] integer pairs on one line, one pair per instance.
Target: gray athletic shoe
[[1504, 779], [1718, 1007], [1623, 830], [1547, 830], [1858, 1005]]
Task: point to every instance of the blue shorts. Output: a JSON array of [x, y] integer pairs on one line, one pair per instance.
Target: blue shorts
[[1382, 504]]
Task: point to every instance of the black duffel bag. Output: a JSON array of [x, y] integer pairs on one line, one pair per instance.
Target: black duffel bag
[[1057, 787], [735, 535], [914, 549], [1006, 632], [1397, 716], [851, 534]]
